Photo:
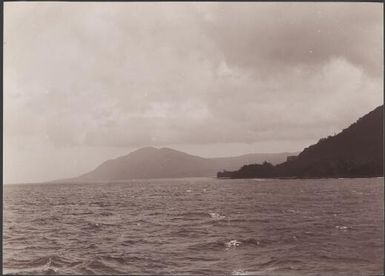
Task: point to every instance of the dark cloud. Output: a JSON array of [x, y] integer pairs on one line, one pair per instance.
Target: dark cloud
[[280, 36]]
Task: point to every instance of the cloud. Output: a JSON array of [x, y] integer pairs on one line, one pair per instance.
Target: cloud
[[275, 37], [131, 74]]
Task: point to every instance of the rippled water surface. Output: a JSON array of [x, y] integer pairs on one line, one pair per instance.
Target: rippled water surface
[[195, 226]]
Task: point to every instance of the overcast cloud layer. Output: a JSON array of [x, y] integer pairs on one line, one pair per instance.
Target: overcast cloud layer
[[88, 81]]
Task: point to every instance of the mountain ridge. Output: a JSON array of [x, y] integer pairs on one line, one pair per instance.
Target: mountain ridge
[[356, 151], [151, 162]]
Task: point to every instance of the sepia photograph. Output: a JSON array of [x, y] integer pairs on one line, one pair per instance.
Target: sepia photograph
[[193, 138]]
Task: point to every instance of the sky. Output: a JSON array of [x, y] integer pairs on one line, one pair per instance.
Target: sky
[[87, 82]]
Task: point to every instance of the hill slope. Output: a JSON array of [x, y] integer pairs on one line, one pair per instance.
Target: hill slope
[[357, 151], [150, 162]]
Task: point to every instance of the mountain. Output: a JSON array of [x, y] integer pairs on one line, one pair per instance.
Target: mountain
[[357, 151], [150, 162]]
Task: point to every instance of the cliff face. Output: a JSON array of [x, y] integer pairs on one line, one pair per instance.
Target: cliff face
[[357, 151]]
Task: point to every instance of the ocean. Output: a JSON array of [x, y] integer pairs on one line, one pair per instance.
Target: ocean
[[200, 226]]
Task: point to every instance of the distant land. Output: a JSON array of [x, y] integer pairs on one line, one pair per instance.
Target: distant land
[[356, 151], [151, 162]]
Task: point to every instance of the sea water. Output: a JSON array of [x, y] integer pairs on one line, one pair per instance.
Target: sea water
[[203, 226]]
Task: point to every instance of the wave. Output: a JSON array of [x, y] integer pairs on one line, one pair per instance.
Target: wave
[[216, 216], [54, 264], [264, 230], [275, 264], [226, 244], [99, 266], [241, 272], [232, 243], [342, 227], [51, 264]]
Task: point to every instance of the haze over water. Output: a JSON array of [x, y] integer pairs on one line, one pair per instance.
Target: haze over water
[[196, 226]]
